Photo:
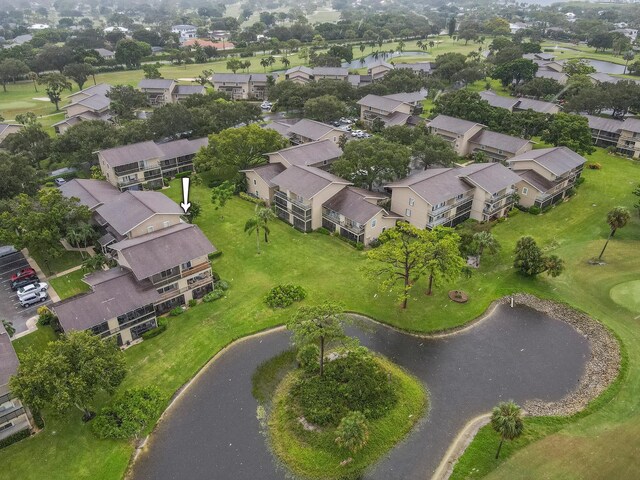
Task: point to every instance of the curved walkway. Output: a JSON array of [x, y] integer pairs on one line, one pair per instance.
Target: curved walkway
[[212, 431]]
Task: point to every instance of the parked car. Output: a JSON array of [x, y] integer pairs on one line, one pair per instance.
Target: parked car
[[266, 105], [345, 121], [32, 287], [24, 273], [356, 133], [59, 182], [23, 282], [7, 250], [33, 298]]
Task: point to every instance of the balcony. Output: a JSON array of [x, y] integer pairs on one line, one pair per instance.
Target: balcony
[[342, 221], [129, 324], [449, 206], [120, 171], [496, 198], [195, 269], [11, 413], [490, 210]]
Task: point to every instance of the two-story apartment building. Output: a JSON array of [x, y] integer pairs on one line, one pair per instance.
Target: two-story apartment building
[[162, 263], [144, 164], [300, 74], [449, 196], [421, 68], [7, 129], [14, 417], [330, 73], [546, 175], [157, 90], [611, 132], [242, 86], [391, 111], [91, 103], [456, 131], [379, 70], [520, 104], [629, 142]]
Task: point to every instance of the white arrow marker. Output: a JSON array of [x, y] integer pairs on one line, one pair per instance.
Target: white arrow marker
[[185, 194]]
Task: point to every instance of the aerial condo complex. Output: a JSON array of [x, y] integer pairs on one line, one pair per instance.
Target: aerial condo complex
[[334, 240]]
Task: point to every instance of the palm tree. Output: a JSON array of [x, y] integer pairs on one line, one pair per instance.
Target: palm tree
[[286, 62], [432, 43], [265, 215], [485, 240], [506, 420], [616, 218], [33, 76], [400, 46], [362, 47], [264, 63], [419, 44]]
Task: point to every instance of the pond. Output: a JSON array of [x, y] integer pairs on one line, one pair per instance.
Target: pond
[[212, 430]]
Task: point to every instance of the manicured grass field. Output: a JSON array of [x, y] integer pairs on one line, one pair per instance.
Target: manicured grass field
[[315, 454], [63, 261], [627, 294], [70, 284], [601, 445]]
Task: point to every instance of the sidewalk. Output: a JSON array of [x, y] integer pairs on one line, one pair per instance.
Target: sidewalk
[[32, 263]]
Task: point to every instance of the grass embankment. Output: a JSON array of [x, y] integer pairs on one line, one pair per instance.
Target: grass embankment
[[314, 454], [70, 284], [601, 445]]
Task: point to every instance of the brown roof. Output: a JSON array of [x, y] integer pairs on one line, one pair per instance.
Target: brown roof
[[8, 359], [156, 83], [452, 124], [126, 154], [537, 180], [498, 101], [114, 296], [131, 208], [311, 153], [499, 141], [92, 193], [306, 181], [189, 90], [267, 172], [610, 125], [181, 148], [631, 125], [491, 177], [558, 160], [536, 105], [352, 204], [161, 250], [382, 103], [310, 129]]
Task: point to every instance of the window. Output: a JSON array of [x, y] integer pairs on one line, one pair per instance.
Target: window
[[150, 229], [168, 288], [6, 426], [166, 223], [412, 202], [525, 190], [186, 266], [407, 212], [167, 273], [255, 182], [459, 197], [257, 193], [373, 223]]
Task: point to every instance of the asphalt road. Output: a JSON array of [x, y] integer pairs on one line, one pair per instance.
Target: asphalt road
[[211, 432], [10, 308]]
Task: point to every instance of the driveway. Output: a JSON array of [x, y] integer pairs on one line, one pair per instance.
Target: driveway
[[518, 353], [10, 308]]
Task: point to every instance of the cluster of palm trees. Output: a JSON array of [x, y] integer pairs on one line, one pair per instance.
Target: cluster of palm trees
[[80, 236], [270, 60], [259, 223]]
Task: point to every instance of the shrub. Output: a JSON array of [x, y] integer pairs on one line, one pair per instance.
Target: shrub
[[579, 181], [307, 358], [594, 166], [176, 311], [222, 285], [214, 295], [354, 382], [323, 231], [534, 210], [193, 302], [37, 419], [502, 220], [215, 276], [130, 414], [216, 254], [45, 316], [183, 174], [375, 243], [16, 437], [249, 198], [570, 192], [282, 296], [513, 212], [353, 432], [154, 332], [165, 181]]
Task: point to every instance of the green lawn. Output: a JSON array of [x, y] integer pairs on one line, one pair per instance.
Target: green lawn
[[37, 340], [63, 261], [330, 269], [70, 284]]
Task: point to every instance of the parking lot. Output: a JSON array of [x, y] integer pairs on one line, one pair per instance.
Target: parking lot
[[10, 308]]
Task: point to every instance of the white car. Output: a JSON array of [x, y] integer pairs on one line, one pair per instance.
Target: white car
[[34, 287], [356, 133], [266, 105], [33, 298], [346, 121]]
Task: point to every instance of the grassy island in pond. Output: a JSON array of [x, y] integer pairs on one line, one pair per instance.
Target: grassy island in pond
[[388, 400]]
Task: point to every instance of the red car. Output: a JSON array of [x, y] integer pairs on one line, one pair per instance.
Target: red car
[[24, 273]]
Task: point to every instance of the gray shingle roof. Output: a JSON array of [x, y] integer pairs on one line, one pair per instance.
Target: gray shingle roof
[[8, 359], [499, 141], [301, 68], [409, 97], [536, 180], [280, 127], [231, 77], [310, 129], [452, 124], [552, 75], [352, 204], [103, 52], [267, 172], [631, 125], [4, 126], [558, 160], [610, 125], [396, 118], [491, 177], [189, 90], [156, 252], [382, 103], [136, 152], [536, 105], [99, 89], [156, 83], [381, 63], [92, 193], [131, 208], [498, 100], [416, 67], [604, 78], [306, 181], [95, 102], [331, 71], [182, 147], [115, 295], [310, 154]]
